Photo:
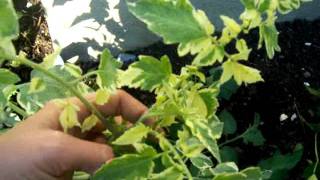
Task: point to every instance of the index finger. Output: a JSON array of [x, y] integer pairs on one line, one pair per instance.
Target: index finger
[[119, 104]]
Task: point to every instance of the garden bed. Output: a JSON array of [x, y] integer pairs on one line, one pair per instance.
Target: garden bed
[[283, 93]]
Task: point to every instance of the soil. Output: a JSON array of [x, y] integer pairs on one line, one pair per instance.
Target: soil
[[283, 91], [34, 39]]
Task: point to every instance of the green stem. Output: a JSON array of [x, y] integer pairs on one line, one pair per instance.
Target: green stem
[[230, 141], [316, 153], [234, 139], [175, 153], [92, 73], [17, 109], [70, 88]]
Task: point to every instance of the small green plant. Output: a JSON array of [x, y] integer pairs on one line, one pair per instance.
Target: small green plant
[[187, 101]]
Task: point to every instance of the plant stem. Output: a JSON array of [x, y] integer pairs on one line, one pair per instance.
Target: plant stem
[[71, 88], [84, 76], [17, 109], [175, 153], [316, 153], [231, 140]]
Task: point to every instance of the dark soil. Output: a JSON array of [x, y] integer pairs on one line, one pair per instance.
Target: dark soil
[[34, 39], [283, 92]]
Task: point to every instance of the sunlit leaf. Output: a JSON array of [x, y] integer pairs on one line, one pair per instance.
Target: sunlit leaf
[[74, 70], [102, 96], [209, 56], [226, 167], [190, 146], [231, 176], [145, 150], [169, 173], [107, 76], [133, 135], [69, 116], [49, 60], [148, 73], [166, 18], [201, 161], [269, 36], [241, 73], [36, 85], [133, 167], [89, 123]]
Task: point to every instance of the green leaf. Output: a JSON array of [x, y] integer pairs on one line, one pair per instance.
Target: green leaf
[[209, 56], [269, 35], [190, 145], [314, 92], [231, 176], [264, 5], [253, 173], [169, 173], [241, 73], [80, 175], [232, 25], [36, 85], [166, 18], [148, 73], [253, 134], [231, 30], [167, 161], [251, 19], [230, 124], [3, 101], [9, 26], [194, 46], [201, 161], [7, 50], [89, 123], [205, 135], [7, 77], [226, 167], [313, 177], [49, 60], [73, 70], [128, 166], [280, 164], [33, 102], [69, 116], [209, 96], [102, 96], [248, 4], [228, 154], [228, 89], [9, 30], [243, 50], [145, 150], [107, 75], [197, 104], [133, 135], [286, 6]]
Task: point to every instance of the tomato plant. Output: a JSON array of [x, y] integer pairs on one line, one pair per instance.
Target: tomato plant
[[187, 101]]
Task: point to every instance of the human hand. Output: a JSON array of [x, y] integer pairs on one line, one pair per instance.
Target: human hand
[[38, 149]]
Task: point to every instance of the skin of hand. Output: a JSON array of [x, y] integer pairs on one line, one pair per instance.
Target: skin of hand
[[37, 148]]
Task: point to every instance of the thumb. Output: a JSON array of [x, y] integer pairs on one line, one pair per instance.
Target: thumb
[[85, 155]]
